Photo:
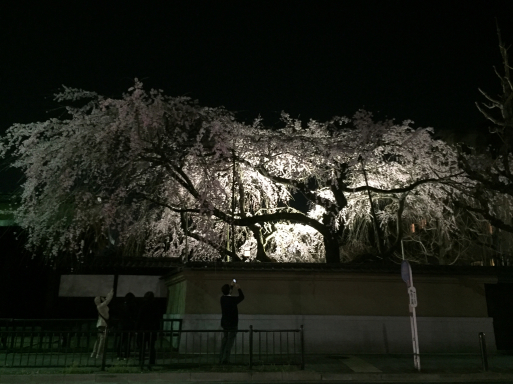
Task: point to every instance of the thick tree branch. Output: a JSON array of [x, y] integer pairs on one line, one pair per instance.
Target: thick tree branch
[[400, 190], [496, 222], [222, 250]]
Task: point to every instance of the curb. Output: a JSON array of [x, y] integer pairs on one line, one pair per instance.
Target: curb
[[261, 377]]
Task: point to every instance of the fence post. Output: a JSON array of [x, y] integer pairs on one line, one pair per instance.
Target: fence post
[[302, 334], [482, 347], [250, 347]]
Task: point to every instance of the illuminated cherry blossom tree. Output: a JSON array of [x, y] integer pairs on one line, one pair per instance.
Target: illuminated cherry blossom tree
[[403, 173], [152, 175]]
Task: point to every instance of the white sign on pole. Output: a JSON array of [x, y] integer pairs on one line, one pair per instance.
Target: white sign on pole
[[412, 292], [407, 277]]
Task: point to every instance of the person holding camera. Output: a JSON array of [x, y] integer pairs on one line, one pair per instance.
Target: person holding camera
[[229, 319], [102, 305]]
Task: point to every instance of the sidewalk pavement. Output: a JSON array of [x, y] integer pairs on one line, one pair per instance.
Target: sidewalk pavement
[[319, 368]]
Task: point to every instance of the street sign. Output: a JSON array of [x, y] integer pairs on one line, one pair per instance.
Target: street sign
[[413, 296]]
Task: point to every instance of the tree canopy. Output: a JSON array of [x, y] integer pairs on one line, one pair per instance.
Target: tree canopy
[[147, 174], [490, 169]]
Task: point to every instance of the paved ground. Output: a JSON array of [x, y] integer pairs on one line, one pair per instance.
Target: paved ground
[[319, 368]]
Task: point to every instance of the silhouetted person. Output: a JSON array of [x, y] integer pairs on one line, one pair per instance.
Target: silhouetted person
[[101, 325], [127, 325], [229, 319], [148, 325]]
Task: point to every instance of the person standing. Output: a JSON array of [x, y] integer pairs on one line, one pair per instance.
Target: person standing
[[127, 325], [101, 324], [148, 325], [229, 319]]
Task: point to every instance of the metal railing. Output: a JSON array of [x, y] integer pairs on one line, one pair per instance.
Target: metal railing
[[34, 347]]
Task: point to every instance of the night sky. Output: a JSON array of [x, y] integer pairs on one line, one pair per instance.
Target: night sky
[[418, 60]]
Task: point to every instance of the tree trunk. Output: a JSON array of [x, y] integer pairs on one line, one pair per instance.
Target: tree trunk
[[261, 254], [331, 248]]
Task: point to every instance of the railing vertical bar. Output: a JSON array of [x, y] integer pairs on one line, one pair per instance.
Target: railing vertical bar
[[281, 342], [63, 345], [160, 340], [302, 348], [14, 349], [17, 348], [88, 343], [49, 338], [43, 346], [105, 347], [200, 345], [52, 347], [260, 346], [59, 348], [171, 350], [294, 344], [288, 354], [79, 341], [164, 347], [7, 350], [14, 333], [235, 345], [274, 344], [6, 338], [186, 347], [266, 350], [242, 348], [36, 354], [27, 353], [22, 339], [141, 350], [75, 352], [250, 347], [32, 340]]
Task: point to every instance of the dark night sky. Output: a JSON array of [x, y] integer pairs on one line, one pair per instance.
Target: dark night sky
[[419, 60]]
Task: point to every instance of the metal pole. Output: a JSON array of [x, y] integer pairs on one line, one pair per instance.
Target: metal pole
[[415, 339], [233, 202], [414, 330], [186, 238], [482, 347]]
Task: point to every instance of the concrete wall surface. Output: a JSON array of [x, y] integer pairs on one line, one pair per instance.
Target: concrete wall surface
[[342, 293], [96, 285], [363, 334], [343, 311]]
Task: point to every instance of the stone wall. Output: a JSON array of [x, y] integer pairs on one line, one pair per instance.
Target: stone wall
[[343, 311]]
